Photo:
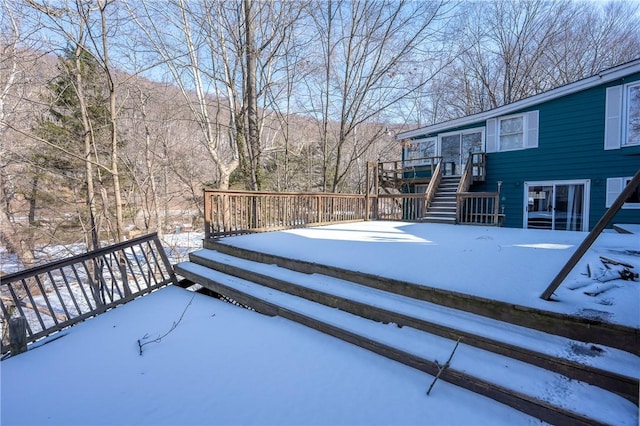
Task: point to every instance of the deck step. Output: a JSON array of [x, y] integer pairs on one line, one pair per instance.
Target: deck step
[[442, 208], [449, 220], [301, 297], [572, 327]]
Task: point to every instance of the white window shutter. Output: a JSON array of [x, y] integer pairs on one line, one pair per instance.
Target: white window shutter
[[613, 118], [614, 188], [531, 140], [491, 137]]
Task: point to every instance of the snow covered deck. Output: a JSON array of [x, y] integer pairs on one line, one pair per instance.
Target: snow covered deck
[[252, 369], [504, 264]]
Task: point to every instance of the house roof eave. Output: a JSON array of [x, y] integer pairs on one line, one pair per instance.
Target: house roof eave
[[602, 77]]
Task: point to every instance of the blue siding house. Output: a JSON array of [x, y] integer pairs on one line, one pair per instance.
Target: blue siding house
[[557, 160]]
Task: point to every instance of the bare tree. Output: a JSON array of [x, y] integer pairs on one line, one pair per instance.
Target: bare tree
[[11, 77], [73, 24], [181, 51], [603, 35], [103, 54], [368, 49], [504, 57], [512, 50]]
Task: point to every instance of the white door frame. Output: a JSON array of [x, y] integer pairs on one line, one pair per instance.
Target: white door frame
[[554, 183]]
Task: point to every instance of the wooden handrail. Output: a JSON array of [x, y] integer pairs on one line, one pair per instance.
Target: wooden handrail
[[467, 176], [433, 186], [480, 164]]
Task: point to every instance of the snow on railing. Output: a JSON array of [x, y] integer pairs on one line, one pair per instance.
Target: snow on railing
[[58, 294]]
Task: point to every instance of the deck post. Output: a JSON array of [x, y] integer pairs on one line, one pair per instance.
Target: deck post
[[207, 214], [367, 193], [17, 335], [593, 235]]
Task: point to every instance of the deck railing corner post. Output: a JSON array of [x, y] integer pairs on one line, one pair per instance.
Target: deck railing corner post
[[17, 335], [207, 214]]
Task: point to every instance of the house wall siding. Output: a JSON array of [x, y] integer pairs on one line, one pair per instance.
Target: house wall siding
[[571, 146]]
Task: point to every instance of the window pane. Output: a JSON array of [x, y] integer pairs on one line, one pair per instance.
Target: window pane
[[472, 142], [634, 198], [633, 115], [510, 142], [569, 204], [540, 207], [417, 152], [511, 125], [511, 134], [450, 151]]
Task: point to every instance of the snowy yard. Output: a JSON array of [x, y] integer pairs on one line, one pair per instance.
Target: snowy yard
[[222, 365], [226, 365]]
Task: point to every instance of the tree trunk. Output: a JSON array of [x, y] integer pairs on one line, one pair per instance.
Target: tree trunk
[[93, 237], [253, 136], [113, 116]]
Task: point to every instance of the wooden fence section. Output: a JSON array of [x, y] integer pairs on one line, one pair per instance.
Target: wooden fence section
[[403, 207], [477, 208], [241, 212], [59, 294], [230, 213]]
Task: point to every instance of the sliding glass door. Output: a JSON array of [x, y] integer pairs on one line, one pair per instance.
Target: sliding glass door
[[561, 205], [456, 147]]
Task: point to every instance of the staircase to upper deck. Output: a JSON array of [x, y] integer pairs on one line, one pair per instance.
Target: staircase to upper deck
[[502, 345], [443, 205]]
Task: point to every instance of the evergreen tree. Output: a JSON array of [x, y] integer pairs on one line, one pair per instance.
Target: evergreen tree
[[64, 126]]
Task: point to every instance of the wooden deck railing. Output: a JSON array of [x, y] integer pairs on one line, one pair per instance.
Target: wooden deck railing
[[478, 166], [432, 188], [467, 176], [241, 212], [61, 293], [401, 207], [400, 171], [229, 213], [477, 208]]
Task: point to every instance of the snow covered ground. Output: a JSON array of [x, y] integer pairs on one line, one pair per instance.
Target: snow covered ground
[[222, 365], [226, 365]]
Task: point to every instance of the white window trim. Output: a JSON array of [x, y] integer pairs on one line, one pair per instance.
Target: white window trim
[[530, 128], [617, 116], [625, 117], [524, 132], [587, 198], [614, 187]]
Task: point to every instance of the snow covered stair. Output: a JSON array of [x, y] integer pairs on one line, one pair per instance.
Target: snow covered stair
[[511, 364], [443, 205]]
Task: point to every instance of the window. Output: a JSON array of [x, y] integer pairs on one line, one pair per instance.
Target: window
[[511, 133], [454, 148], [418, 152], [622, 116], [558, 205], [615, 187], [632, 128]]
